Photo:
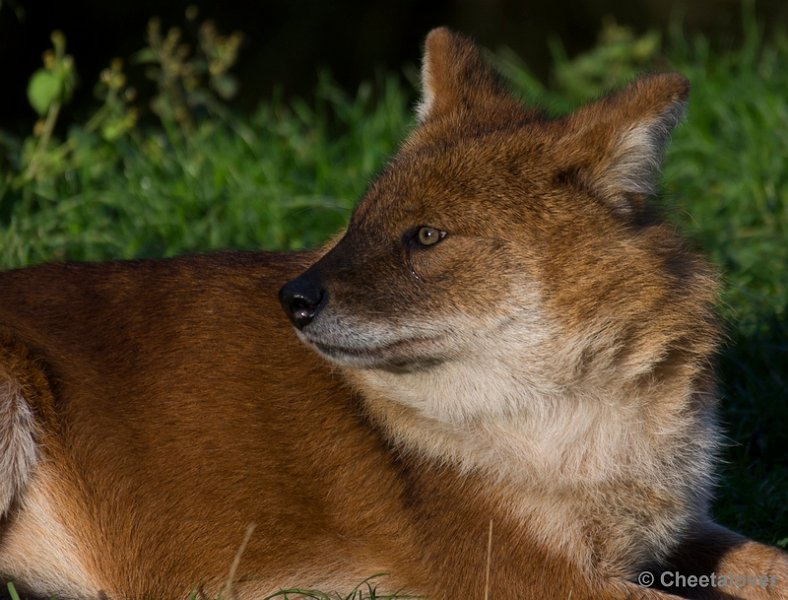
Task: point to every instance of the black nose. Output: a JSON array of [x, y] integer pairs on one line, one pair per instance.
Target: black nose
[[302, 299]]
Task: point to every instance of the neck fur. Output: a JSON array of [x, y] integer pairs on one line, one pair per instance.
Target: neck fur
[[636, 455]]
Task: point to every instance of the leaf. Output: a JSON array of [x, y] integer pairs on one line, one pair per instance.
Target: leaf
[[43, 90]]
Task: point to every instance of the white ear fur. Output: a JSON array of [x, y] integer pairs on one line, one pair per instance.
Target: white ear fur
[[637, 155], [17, 442], [439, 60], [618, 142], [424, 106], [456, 80]]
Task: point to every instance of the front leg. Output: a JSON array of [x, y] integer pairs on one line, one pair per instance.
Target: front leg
[[633, 591], [726, 566]]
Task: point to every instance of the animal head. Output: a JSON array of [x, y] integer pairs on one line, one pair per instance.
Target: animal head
[[503, 240]]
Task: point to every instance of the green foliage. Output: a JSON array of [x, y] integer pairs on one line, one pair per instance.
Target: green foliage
[[727, 164], [618, 57], [12, 593], [202, 177], [49, 88], [44, 90], [55, 83], [284, 177], [189, 80]]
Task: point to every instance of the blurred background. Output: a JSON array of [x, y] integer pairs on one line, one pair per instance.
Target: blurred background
[[286, 42]]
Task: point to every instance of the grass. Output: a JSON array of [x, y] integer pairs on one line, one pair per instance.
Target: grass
[[282, 178], [727, 165], [288, 175], [364, 591], [12, 593]]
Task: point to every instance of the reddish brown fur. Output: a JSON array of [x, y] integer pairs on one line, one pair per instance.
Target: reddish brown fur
[[174, 406]]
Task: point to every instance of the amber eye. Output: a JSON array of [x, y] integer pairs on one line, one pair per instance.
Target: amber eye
[[429, 236]]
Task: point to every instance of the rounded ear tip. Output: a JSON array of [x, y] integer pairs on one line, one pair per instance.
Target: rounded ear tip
[[673, 84], [437, 34], [438, 38], [679, 83]]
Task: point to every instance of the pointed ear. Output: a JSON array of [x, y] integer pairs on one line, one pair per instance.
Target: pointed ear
[[455, 80], [617, 143]]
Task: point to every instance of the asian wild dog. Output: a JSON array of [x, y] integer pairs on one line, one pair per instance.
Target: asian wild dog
[[506, 333]]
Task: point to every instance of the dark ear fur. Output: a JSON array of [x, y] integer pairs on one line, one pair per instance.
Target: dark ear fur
[[613, 146], [456, 81], [617, 143]]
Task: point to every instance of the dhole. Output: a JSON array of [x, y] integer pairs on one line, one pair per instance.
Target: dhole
[[507, 345]]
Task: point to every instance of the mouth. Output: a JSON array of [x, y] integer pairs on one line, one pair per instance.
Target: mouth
[[402, 355]]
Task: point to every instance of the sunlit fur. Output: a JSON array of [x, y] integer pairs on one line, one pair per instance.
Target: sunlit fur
[[545, 369], [17, 445]]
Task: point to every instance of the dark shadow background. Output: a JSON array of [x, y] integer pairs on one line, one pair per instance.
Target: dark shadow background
[[286, 42]]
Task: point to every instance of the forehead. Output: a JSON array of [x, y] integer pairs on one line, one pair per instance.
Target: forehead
[[443, 178]]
